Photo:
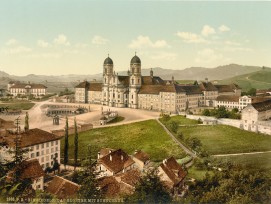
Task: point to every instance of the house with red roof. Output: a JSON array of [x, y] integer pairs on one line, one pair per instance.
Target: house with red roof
[[172, 175]]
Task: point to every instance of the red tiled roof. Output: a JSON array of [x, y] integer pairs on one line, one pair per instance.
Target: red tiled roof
[[188, 89], [95, 87], [156, 89], [228, 98], [31, 137], [148, 80], [29, 169], [83, 84], [119, 161], [262, 106], [62, 188], [105, 151], [258, 99], [227, 88], [207, 86], [131, 177], [142, 156], [32, 86], [109, 186], [173, 170]]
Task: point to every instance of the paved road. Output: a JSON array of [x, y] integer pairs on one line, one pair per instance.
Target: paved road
[[188, 151], [238, 154]]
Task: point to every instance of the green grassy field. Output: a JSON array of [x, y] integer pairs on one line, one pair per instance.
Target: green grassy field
[[258, 80], [148, 136], [222, 139], [254, 161], [18, 105], [197, 174]]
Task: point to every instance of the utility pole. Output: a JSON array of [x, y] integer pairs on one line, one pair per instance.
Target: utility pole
[[17, 142]]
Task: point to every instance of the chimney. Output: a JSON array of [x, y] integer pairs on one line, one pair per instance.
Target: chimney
[[121, 157], [110, 151], [136, 151], [110, 156], [164, 161], [206, 80], [99, 155], [172, 79]]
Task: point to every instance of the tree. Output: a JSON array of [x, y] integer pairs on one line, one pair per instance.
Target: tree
[[150, 190], [66, 144], [75, 144], [252, 92], [26, 122], [173, 126], [206, 112], [196, 83], [222, 112], [87, 179]]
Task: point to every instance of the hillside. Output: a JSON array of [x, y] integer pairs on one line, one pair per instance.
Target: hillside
[[259, 80]]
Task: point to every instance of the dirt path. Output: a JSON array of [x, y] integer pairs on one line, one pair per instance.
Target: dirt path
[[239, 154], [188, 151]]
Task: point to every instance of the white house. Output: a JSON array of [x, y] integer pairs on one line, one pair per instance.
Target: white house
[[42, 145], [254, 113]]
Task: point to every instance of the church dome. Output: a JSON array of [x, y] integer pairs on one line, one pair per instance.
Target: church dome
[[135, 60], [108, 60]]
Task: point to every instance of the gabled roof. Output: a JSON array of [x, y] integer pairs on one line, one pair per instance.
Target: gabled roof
[[228, 98], [226, 88], [32, 86], [156, 89], [155, 80], [262, 106], [173, 170], [105, 151], [142, 156], [188, 89], [95, 87], [116, 161], [62, 188], [29, 169], [110, 187], [131, 177], [31, 137], [207, 86], [84, 84]]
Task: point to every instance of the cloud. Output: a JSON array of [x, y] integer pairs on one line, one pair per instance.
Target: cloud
[[191, 37], [145, 42], [48, 55], [207, 30], [17, 50], [164, 56], [99, 40], [208, 56], [61, 40], [11, 42], [228, 42], [224, 28], [42, 43]]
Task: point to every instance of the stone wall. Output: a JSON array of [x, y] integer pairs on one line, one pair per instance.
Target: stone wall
[[263, 126]]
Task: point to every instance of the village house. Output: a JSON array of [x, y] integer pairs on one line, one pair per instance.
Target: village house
[[112, 162], [41, 145], [119, 185], [62, 188], [172, 174], [26, 89], [254, 113], [141, 159], [29, 169]]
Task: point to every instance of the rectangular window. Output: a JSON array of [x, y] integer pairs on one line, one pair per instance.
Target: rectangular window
[[47, 144], [32, 155], [37, 147], [56, 142], [42, 146], [37, 154]]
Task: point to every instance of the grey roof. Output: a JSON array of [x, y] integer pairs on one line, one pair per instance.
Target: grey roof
[[135, 60], [108, 60]]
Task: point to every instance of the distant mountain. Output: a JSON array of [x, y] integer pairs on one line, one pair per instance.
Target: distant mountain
[[193, 73]]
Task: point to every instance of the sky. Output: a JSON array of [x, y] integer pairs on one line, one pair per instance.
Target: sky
[[55, 37]]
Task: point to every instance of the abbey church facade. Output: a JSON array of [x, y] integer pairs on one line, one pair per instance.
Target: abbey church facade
[[148, 92]]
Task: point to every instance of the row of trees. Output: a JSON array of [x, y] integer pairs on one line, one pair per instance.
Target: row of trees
[[222, 112], [66, 144]]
